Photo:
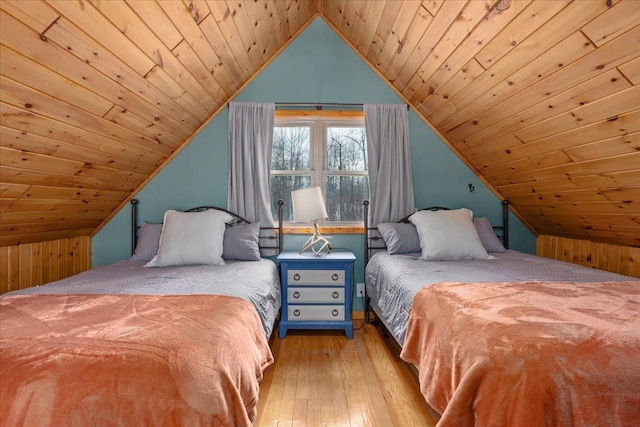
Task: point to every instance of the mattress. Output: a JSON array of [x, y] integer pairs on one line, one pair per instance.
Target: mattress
[[254, 281], [392, 281]]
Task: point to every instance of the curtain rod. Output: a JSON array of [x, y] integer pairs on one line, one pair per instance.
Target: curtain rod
[[320, 105], [317, 105]]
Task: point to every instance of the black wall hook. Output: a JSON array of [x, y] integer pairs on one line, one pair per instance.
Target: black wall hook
[[471, 188]]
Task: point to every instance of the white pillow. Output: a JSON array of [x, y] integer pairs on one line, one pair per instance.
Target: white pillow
[[448, 235], [191, 238]]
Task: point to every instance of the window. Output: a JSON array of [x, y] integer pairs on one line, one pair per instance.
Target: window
[[328, 153]]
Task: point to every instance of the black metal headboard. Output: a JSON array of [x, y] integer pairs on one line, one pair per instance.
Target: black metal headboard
[[270, 241], [373, 241]]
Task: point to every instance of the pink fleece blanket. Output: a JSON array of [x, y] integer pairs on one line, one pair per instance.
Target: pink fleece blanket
[[528, 354], [125, 360]]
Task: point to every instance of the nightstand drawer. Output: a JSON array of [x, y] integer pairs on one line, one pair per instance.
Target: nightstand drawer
[[315, 295], [315, 312], [315, 277]]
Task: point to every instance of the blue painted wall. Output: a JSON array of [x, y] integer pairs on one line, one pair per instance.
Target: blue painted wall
[[317, 67]]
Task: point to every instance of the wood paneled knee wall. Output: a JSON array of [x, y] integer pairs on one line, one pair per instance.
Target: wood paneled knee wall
[[614, 258], [33, 264]]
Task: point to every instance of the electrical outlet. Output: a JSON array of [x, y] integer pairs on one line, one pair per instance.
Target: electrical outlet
[[360, 289]]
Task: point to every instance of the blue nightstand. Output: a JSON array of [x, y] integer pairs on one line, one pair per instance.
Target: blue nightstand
[[316, 291]]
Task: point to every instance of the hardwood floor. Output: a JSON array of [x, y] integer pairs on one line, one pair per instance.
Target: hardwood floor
[[320, 378]]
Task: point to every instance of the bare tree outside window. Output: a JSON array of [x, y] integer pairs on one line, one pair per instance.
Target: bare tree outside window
[[330, 155], [346, 151], [291, 154]]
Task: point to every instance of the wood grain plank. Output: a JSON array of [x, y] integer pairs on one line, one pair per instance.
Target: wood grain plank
[[14, 268], [460, 29], [13, 191], [4, 269], [93, 24], [631, 70], [76, 69], [18, 95], [360, 18], [227, 28], [263, 30], [601, 109], [64, 193], [613, 258], [24, 272], [614, 22], [605, 180], [566, 22], [36, 177], [29, 73], [91, 53], [20, 218], [270, 20], [40, 163], [437, 97], [347, 382], [408, 44], [514, 149], [624, 144], [599, 87], [398, 32], [629, 162], [30, 123], [462, 51], [36, 14], [130, 24], [157, 21], [250, 37], [519, 83], [12, 240], [522, 26], [559, 196], [44, 227], [373, 16], [160, 79]]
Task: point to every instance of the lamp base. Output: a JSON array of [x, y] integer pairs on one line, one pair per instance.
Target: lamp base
[[317, 239]]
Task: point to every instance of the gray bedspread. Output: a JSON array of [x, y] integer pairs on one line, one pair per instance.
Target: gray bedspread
[[255, 281], [393, 280]]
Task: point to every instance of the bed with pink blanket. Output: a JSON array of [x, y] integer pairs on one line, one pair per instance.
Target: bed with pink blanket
[[528, 353], [501, 337], [177, 335], [127, 360]]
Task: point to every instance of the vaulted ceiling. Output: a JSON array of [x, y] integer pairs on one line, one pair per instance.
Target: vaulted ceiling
[[541, 98]]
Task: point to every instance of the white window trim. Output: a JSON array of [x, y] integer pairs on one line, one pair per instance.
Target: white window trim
[[318, 132]]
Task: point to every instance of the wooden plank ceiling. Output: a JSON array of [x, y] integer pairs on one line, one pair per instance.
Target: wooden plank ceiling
[[541, 98]]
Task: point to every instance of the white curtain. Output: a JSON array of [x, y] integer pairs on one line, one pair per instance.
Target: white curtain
[[389, 162], [250, 143]]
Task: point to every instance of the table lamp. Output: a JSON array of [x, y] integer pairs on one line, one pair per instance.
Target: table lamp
[[308, 205]]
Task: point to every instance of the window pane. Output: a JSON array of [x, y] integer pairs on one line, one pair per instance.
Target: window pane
[[346, 149], [281, 188], [291, 148], [344, 197]]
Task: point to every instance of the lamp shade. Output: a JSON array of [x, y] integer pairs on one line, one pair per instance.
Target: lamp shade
[[308, 204]]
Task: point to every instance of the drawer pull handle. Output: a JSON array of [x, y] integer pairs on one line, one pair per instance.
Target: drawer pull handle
[[296, 312], [334, 312], [296, 294], [334, 277], [296, 276], [335, 294]]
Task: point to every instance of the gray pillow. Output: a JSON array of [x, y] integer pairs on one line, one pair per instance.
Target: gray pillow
[[148, 241], [400, 237], [241, 242], [487, 236]]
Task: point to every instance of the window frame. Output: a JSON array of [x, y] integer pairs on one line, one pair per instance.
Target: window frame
[[319, 122]]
